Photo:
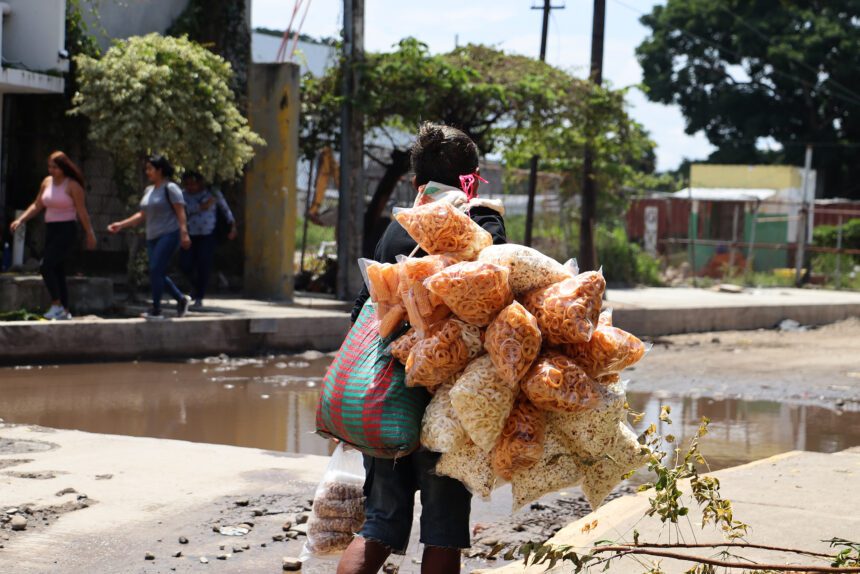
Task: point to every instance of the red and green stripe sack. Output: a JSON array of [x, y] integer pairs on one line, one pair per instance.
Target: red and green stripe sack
[[365, 401]]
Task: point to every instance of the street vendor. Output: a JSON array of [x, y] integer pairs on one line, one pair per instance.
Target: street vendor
[[445, 155]]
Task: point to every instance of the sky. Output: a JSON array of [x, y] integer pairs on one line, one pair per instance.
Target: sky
[[512, 25]]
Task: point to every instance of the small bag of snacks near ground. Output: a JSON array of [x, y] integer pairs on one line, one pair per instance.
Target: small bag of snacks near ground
[[441, 228], [520, 446], [610, 350], [482, 402], [423, 308], [471, 466], [619, 456], [445, 352], [567, 312], [513, 342], [338, 506], [441, 431], [556, 470], [530, 269], [473, 290], [556, 383], [402, 345]]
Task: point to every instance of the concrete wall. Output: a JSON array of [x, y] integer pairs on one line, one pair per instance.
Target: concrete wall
[[119, 19], [34, 32], [270, 184], [86, 294]]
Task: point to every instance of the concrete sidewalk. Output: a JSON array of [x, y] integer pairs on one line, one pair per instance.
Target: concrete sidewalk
[[794, 500], [246, 326]]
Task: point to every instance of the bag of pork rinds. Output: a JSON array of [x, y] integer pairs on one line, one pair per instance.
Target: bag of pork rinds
[[364, 400], [338, 506], [442, 354], [439, 228], [473, 290], [568, 311], [383, 285], [520, 446], [423, 308]]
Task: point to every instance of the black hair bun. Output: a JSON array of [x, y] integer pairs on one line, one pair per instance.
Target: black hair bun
[[430, 135]]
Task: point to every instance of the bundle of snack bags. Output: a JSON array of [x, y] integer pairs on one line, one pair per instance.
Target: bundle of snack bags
[[523, 362]]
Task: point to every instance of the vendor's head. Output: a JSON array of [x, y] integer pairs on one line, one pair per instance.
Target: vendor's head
[[442, 154], [193, 182], [158, 168]]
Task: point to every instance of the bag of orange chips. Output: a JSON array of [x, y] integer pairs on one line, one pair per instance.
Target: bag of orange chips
[[568, 311], [474, 291]]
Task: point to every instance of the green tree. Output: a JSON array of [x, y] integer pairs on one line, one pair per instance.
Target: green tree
[[742, 70], [171, 95], [509, 104]]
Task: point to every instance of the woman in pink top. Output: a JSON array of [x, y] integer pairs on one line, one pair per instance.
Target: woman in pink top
[[61, 195]]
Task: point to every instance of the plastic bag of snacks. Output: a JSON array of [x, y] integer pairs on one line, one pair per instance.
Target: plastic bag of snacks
[[338, 507], [589, 431], [618, 457], [443, 354], [383, 284], [423, 308], [530, 269], [441, 228], [568, 311], [513, 342], [471, 466], [474, 291], [402, 345], [556, 383], [557, 469], [610, 350], [520, 446], [441, 431], [482, 402]]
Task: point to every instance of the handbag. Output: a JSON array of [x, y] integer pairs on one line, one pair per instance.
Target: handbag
[[364, 400]]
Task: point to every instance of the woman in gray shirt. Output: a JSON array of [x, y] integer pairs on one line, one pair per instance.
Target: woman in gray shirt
[[163, 210]]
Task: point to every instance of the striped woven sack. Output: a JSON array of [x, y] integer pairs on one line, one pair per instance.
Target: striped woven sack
[[364, 400]]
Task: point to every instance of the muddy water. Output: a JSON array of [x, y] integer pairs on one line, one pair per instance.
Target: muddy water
[[269, 403]]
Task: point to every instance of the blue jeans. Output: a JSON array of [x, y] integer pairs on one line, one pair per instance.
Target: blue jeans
[[390, 487], [160, 250], [196, 262]]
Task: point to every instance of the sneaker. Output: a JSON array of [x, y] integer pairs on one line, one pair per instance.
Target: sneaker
[[197, 305], [54, 312], [152, 315], [182, 306], [64, 316]]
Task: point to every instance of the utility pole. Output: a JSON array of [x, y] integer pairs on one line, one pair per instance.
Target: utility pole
[[530, 210], [587, 250], [350, 208], [802, 218]]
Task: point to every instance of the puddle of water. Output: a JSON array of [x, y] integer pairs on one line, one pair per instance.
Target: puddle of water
[[270, 404]]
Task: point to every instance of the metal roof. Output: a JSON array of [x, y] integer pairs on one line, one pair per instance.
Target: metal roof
[[724, 194]]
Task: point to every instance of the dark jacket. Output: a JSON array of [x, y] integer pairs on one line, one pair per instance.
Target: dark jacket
[[395, 241]]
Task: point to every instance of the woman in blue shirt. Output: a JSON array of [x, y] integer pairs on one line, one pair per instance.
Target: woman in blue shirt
[[202, 204]]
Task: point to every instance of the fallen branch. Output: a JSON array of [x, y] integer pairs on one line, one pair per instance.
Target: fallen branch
[[627, 550], [736, 545]]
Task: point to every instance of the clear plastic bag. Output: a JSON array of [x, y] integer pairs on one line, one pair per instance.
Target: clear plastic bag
[[441, 228], [437, 358], [556, 470], [567, 312], [621, 455], [482, 402], [589, 431], [610, 350], [520, 446], [513, 342], [441, 431], [402, 345], [474, 291], [383, 284], [556, 383], [423, 307], [471, 466], [529, 268], [338, 507]]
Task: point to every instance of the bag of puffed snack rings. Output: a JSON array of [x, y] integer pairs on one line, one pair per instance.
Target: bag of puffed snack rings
[[513, 342], [441, 228], [441, 431], [338, 506], [568, 311], [556, 383], [610, 350], [473, 290], [482, 402], [423, 308], [383, 285], [402, 345], [471, 466], [445, 352], [520, 446], [530, 269], [557, 469]]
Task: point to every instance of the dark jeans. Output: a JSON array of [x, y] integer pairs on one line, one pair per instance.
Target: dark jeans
[[160, 250], [59, 239], [196, 263]]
